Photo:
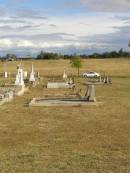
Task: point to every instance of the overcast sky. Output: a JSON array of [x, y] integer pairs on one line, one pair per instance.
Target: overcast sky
[[64, 26]]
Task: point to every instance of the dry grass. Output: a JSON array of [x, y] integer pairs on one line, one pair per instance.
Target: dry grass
[[91, 139]]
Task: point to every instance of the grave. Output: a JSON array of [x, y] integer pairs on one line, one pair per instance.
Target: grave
[[6, 96], [19, 86], [64, 83], [9, 91], [88, 99], [101, 80], [58, 85]]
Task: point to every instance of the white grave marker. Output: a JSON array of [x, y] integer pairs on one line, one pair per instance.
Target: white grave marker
[[32, 75], [64, 75], [19, 77]]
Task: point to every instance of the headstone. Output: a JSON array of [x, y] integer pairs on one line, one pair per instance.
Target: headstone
[[71, 81], [19, 77], [6, 74], [64, 75], [110, 81], [104, 79], [32, 75], [37, 75], [25, 74], [100, 79], [90, 95]]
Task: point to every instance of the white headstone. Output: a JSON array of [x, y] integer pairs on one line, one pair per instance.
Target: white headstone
[[64, 75], [19, 77], [71, 81], [6, 74], [32, 75]]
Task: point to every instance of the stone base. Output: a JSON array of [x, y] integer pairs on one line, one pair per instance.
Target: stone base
[[60, 102], [57, 85], [20, 90]]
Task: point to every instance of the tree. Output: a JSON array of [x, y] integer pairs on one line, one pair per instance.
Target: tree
[[76, 63], [10, 57], [48, 55]]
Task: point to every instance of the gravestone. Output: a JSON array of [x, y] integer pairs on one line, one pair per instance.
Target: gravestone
[[25, 74], [64, 75], [100, 79], [32, 75], [6, 74], [90, 95], [19, 76]]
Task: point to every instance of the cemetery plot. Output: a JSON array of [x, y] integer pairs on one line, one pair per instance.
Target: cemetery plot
[[89, 98], [63, 82], [6, 95], [60, 85]]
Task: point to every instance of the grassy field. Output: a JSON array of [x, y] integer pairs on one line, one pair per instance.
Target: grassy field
[[81, 139]]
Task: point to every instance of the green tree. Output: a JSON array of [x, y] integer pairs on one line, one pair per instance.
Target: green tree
[[48, 55], [76, 63]]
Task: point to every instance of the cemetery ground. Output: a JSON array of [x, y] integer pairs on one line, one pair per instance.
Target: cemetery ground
[[70, 139]]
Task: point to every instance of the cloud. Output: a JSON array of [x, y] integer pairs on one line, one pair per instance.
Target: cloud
[[29, 13], [5, 43], [25, 43], [52, 25], [30, 30], [107, 5]]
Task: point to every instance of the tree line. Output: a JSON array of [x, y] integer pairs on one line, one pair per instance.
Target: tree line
[[50, 55]]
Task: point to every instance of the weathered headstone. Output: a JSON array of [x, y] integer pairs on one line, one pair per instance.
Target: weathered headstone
[[64, 75], [100, 79], [90, 95], [6, 74], [19, 77], [25, 74], [32, 75]]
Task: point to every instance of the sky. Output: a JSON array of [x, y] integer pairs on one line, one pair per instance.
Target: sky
[[63, 26]]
